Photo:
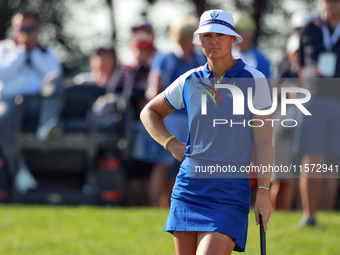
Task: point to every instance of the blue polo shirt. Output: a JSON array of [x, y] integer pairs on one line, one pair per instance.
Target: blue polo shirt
[[219, 136]]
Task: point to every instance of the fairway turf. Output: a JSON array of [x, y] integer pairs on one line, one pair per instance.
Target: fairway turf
[[48, 230]]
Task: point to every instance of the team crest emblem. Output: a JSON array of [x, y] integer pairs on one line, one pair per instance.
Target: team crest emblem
[[214, 15]]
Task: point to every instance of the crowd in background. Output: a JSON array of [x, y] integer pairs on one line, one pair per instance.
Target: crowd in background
[[29, 68]]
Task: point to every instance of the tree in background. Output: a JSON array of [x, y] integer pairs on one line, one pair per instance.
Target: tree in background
[[6, 11], [75, 28], [62, 27]]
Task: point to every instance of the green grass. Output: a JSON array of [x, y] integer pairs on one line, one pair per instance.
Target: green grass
[[51, 230]]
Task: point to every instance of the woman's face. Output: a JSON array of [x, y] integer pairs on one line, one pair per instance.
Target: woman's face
[[216, 45]]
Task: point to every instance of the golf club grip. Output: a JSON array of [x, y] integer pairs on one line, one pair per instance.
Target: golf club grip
[[262, 237]]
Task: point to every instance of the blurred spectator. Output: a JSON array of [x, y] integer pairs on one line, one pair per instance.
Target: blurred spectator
[[27, 68], [116, 82], [245, 26], [166, 68], [141, 154], [299, 20], [293, 45], [110, 84], [143, 26], [143, 49], [319, 58], [285, 67], [284, 186], [106, 72], [282, 189]]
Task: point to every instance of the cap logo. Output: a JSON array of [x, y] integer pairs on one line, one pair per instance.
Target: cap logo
[[214, 15]]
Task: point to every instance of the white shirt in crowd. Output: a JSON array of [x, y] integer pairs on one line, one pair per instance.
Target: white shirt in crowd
[[22, 72]]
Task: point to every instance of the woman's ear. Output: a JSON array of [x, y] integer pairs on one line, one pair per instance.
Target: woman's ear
[[233, 40]]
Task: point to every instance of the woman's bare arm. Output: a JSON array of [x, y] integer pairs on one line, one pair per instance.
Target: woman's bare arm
[[152, 117], [264, 157]]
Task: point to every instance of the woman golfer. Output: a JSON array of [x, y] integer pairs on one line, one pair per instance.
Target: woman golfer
[[211, 197]]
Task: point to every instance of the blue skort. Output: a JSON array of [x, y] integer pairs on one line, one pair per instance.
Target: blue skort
[[210, 205]]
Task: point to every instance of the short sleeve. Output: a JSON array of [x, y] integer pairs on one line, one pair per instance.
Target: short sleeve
[[173, 95], [262, 98], [261, 94]]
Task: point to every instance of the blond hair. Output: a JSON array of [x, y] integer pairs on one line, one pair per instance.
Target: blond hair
[[183, 27]]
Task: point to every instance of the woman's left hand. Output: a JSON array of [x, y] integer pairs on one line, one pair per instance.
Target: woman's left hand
[[263, 206]]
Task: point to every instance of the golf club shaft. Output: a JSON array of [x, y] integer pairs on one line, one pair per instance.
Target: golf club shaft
[[262, 237]]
